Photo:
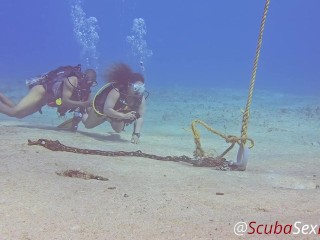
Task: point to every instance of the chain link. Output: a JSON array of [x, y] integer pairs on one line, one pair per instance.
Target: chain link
[[218, 163]]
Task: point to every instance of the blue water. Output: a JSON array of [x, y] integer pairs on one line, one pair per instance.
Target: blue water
[[205, 43]]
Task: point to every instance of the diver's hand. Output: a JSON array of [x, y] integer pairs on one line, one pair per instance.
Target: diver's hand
[[135, 139], [129, 116]]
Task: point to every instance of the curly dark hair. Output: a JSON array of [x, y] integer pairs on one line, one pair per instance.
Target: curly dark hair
[[137, 77], [120, 74]]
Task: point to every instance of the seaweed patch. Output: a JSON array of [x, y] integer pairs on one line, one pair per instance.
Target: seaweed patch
[[79, 174]]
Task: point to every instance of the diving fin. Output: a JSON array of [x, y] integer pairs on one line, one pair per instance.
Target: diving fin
[[66, 125], [70, 124]]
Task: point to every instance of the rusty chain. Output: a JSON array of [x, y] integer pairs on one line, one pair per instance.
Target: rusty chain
[[218, 163]]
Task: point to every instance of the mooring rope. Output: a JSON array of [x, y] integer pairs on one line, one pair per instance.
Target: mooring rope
[[245, 121], [246, 114]]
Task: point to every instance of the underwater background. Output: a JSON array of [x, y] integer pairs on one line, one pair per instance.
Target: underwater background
[[201, 44], [197, 58]]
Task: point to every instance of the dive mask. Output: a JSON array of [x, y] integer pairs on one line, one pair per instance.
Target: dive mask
[[138, 88]]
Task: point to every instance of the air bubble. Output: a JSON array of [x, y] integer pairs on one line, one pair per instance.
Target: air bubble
[[138, 43], [86, 33]]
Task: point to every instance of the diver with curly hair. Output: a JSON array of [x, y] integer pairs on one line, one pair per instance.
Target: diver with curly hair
[[121, 101]]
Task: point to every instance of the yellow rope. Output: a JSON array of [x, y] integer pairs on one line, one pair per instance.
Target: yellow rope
[[246, 114], [199, 152]]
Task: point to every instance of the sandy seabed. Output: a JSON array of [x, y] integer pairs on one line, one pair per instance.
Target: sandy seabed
[[149, 199]]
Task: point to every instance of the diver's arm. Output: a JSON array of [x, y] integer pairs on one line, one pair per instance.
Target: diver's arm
[[110, 102], [68, 87], [139, 121]]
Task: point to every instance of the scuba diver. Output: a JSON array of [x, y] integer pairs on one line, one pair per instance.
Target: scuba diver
[[67, 88], [121, 102]]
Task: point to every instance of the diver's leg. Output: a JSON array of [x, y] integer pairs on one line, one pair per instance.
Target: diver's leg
[[5, 100], [91, 119], [117, 126], [28, 105]]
